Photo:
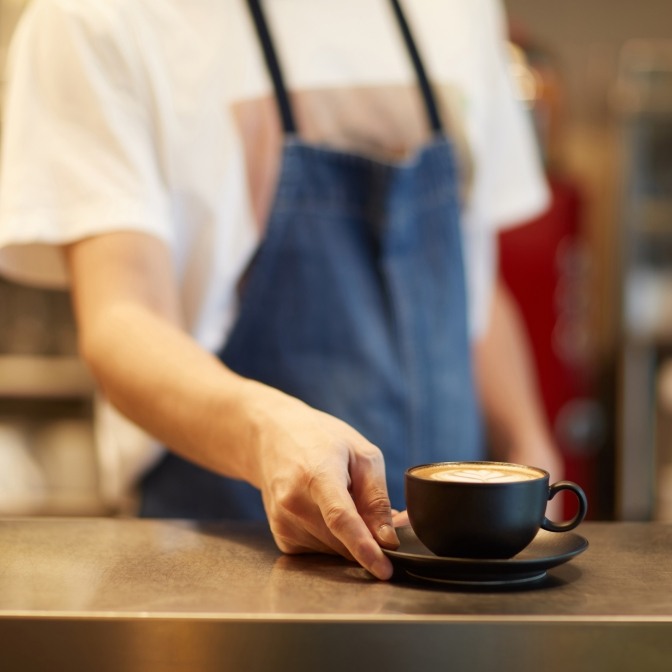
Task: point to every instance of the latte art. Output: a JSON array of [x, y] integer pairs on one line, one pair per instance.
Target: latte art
[[478, 473], [482, 475]]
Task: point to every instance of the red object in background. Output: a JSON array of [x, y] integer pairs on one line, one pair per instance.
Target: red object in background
[[544, 264]]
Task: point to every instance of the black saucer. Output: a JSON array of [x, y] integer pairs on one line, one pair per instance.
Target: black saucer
[[547, 550]]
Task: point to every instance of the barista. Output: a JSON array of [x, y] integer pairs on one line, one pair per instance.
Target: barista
[[279, 237]]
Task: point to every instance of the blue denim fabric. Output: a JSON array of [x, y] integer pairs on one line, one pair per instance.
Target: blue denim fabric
[[356, 304]]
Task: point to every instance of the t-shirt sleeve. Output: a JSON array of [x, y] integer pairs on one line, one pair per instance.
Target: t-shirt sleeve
[[511, 186], [78, 156]]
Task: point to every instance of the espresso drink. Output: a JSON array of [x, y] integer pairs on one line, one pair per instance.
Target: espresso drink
[[482, 509], [478, 473]]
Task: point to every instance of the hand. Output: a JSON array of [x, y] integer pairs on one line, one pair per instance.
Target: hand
[[322, 483]]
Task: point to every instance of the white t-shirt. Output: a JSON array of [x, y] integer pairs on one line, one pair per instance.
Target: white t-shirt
[[158, 116]]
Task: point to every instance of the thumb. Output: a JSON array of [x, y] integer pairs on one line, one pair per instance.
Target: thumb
[[400, 518]]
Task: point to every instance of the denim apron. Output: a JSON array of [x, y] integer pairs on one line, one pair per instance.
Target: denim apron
[[355, 303]]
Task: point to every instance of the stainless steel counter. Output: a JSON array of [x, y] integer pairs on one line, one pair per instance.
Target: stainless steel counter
[[127, 595]]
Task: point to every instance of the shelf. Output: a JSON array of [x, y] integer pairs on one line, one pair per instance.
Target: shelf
[[31, 377]]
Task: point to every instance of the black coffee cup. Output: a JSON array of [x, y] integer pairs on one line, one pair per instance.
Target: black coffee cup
[[483, 509]]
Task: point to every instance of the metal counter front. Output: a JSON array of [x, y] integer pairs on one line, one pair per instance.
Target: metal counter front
[[127, 595]]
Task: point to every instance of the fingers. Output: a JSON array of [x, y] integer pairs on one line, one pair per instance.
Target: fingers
[[296, 521], [308, 533], [347, 526], [298, 541], [369, 492], [334, 529], [362, 518], [323, 517], [323, 486]]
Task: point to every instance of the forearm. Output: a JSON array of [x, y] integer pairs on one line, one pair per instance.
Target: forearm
[[159, 378], [515, 418], [132, 338], [322, 483]]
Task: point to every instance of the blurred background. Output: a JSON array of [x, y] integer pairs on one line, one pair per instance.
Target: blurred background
[[596, 77]]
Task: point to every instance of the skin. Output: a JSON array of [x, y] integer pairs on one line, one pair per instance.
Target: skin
[[322, 483], [505, 378], [515, 419]]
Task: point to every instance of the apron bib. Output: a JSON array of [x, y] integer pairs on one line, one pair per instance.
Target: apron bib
[[356, 304]]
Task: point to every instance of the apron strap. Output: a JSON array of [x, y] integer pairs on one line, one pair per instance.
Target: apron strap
[[281, 95], [273, 65], [425, 86]]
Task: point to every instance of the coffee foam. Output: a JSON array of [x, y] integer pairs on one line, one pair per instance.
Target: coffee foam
[[472, 473]]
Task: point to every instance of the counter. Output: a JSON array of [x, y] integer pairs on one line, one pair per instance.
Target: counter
[[127, 595]]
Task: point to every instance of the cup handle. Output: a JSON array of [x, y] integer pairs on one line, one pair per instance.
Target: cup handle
[[580, 514]]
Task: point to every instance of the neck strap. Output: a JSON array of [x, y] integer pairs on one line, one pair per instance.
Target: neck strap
[[281, 95]]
